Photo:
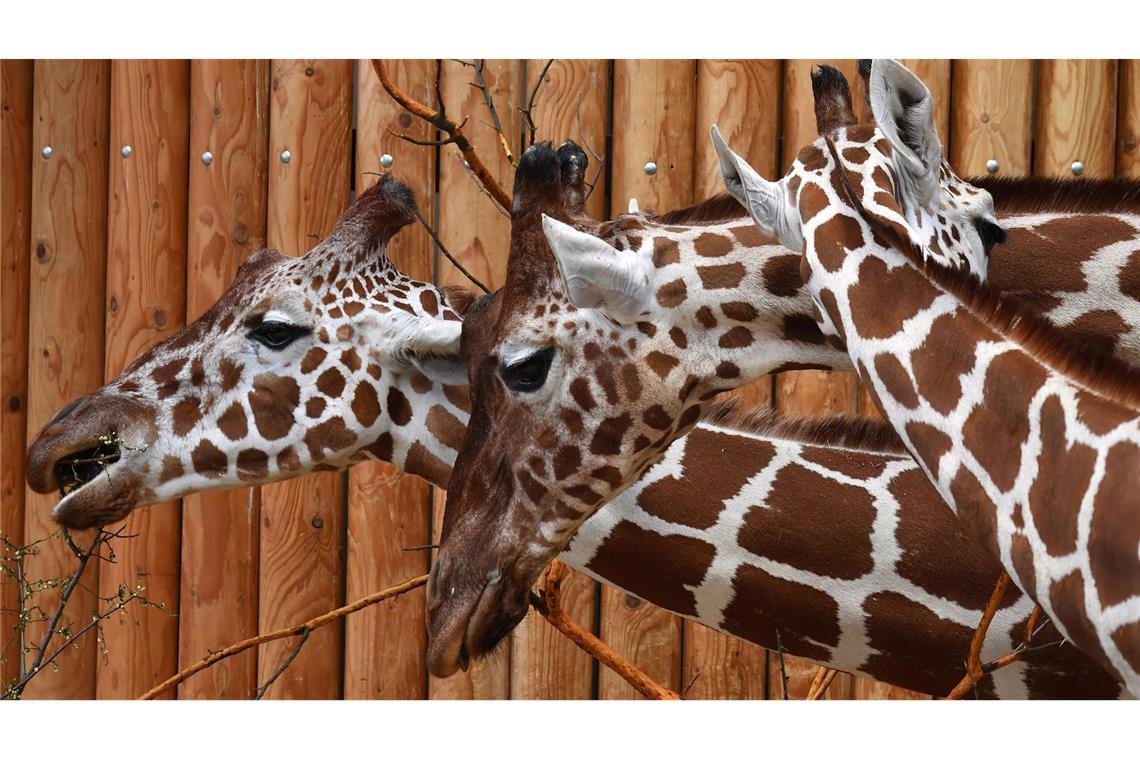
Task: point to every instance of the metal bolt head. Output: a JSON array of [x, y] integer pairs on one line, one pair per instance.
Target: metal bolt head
[[386, 161], [126, 151], [286, 156], [46, 152], [650, 168], [207, 158], [992, 166], [1078, 168]]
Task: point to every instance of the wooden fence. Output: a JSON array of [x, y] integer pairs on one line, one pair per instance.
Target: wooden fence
[[108, 248]]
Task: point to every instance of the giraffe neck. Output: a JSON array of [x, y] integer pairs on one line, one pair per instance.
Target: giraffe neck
[[1035, 452]]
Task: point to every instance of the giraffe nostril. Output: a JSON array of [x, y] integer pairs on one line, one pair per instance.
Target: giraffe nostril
[[68, 410]]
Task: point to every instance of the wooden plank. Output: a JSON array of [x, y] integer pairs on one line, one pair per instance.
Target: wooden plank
[[992, 116], [743, 99], [229, 117], [654, 106], [808, 392], [571, 104], [65, 323], [15, 250], [479, 236], [302, 520], [146, 302], [1128, 129], [1076, 117], [385, 645]]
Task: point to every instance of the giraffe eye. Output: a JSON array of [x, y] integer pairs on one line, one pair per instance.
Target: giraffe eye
[[530, 373], [276, 335], [990, 233]]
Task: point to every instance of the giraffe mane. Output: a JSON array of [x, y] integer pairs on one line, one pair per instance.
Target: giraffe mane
[[1050, 194], [1098, 371], [842, 431], [719, 208]]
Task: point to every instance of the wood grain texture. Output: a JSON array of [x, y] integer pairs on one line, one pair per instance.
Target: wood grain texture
[[15, 251], [1076, 117], [146, 302], [1128, 128], [743, 99], [571, 104], [388, 510], [65, 321], [479, 236], [229, 116], [992, 111], [303, 520], [655, 106]]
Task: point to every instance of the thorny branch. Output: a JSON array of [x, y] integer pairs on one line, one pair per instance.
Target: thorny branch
[[549, 605], [454, 131], [303, 630], [783, 672]]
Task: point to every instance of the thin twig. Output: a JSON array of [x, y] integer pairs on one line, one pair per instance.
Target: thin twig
[[441, 122], [283, 633], [73, 582], [600, 159], [288, 661], [479, 186], [554, 614], [481, 83], [528, 112], [452, 259], [783, 673]]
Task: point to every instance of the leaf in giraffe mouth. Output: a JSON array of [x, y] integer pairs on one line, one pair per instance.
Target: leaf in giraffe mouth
[[81, 467]]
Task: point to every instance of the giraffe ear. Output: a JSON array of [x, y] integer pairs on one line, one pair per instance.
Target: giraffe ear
[[598, 276], [743, 183], [904, 112], [434, 350]]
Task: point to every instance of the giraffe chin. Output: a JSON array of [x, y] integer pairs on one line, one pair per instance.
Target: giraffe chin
[[107, 498]]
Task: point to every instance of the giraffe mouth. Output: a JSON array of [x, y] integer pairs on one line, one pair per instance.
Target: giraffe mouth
[[79, 468]]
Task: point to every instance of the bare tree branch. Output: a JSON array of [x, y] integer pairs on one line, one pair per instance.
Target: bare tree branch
[[455, 262], [284, 665], [439, 119]]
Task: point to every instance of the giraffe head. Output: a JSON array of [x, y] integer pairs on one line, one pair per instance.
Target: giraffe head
[[583, 368], [889, 174], [304, 363]]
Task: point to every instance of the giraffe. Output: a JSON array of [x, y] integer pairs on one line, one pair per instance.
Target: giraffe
[[587, 365], [1033, 440], [305, 363], [863, 621]]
